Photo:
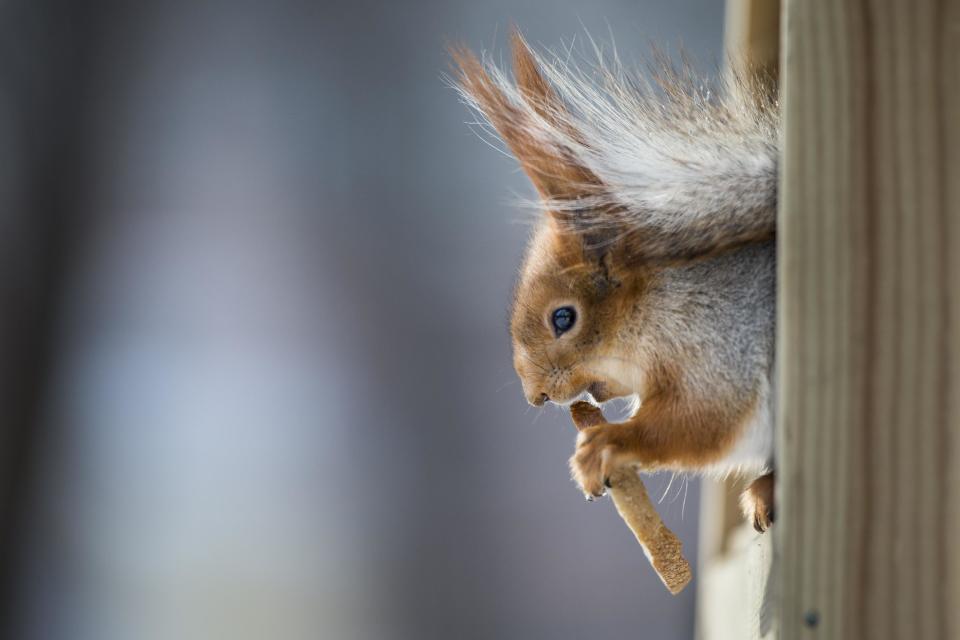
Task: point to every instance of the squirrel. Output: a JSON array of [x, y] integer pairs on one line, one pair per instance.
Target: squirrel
[[651, 272]]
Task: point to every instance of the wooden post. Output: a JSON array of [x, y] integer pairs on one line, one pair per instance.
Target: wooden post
[[751, 35], [869, 312]]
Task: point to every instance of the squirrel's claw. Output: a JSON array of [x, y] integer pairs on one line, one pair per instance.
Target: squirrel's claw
[[591, 464]]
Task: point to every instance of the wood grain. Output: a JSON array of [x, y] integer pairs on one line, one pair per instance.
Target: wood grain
[[868, 321]]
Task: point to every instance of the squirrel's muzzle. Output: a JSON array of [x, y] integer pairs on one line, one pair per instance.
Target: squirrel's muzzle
[[538, 399]]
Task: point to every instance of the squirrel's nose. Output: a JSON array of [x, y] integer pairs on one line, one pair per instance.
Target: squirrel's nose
[[538, 400]]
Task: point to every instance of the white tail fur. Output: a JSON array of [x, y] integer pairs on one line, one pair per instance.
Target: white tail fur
[[683, 171]]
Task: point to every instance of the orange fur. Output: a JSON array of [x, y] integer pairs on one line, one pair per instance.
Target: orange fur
[[667, 432], [622, 342]]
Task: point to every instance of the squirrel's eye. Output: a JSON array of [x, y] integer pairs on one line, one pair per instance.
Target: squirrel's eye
[[563, 319]]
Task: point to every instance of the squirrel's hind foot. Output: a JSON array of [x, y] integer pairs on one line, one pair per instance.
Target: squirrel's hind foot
[[756, 501]]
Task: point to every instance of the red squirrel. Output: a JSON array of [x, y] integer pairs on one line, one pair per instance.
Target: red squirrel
[[651, 272]]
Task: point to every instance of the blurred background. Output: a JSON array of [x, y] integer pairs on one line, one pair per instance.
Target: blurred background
[[254, 361]]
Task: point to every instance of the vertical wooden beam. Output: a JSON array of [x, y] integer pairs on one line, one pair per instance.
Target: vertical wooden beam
[[869, 318], [751, 34]]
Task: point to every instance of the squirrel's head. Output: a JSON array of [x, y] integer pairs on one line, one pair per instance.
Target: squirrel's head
[[574, 293], [567, 321]]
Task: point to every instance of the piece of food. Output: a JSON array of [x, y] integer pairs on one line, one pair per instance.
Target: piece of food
[[663, 549]]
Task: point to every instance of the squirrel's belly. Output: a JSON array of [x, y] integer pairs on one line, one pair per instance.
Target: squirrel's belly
[[752, 453]]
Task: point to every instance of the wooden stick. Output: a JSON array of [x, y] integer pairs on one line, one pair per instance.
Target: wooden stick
[[661, 546]]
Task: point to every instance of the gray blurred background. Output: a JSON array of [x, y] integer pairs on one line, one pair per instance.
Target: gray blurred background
[[255, 362]]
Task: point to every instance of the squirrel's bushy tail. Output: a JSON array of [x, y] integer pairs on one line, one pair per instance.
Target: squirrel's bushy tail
[[676, 167]]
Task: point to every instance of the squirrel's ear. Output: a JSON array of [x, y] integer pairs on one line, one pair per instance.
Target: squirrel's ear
[[528, 119]]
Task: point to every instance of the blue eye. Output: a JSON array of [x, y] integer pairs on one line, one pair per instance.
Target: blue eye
[[563, 319]]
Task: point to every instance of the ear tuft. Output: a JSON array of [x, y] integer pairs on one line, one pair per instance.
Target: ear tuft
[[536, 91], [527, 115]]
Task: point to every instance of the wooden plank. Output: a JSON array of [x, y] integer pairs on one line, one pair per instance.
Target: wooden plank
[[868, 321], [751, 34]]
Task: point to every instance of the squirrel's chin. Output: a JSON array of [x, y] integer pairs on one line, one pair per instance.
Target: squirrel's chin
[[599, 392]]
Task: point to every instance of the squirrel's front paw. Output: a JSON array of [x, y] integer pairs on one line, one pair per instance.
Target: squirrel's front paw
[[596, 456]]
